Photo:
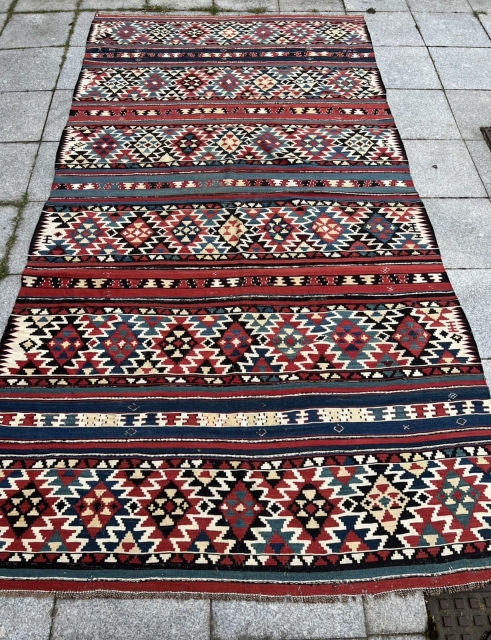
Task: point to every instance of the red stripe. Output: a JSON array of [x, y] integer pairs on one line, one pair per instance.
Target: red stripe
[[230, 588], [40, 263], [113, 393], [320, 196], [111, 17], [307, 61], [442, 300], [115, 294], [217, 111], [245, 446], [201, 272]]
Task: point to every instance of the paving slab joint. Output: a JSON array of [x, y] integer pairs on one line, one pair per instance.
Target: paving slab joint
[[10, 12], [211, 622], [53, 616], [4, 261], [68, 38], [477, 15]]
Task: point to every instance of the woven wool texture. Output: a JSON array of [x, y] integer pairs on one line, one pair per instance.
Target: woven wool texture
[[236, 364]]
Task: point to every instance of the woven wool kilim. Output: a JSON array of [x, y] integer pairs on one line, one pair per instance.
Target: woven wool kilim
[[236, 364]]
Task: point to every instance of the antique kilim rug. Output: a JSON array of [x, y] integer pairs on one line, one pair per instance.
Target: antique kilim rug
[[236, 364]]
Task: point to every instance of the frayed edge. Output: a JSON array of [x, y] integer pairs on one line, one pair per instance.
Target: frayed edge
[[471, 586], [334, 591], [116, 594]]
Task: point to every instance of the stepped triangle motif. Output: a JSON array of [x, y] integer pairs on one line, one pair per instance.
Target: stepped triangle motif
[[236, 364]]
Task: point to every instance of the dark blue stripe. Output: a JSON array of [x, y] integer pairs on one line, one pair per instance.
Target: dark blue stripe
[[322, 430], [218, 404]]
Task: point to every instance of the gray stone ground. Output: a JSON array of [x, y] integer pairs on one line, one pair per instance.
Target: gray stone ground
[[435, 59]]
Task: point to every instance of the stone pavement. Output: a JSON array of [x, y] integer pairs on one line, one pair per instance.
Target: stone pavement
[[394, 617], [435, 60]]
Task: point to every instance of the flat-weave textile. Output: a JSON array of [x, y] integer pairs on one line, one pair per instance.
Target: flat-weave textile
[[236, 364]]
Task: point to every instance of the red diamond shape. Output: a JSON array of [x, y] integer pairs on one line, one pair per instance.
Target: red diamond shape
[[228, 82], [240, 508], [97, 508], [121, 343], [137, 232], [350, 338], [105, 145], [412, 336], [235, 341], [327, 229], [154, 82], [65, 344]]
